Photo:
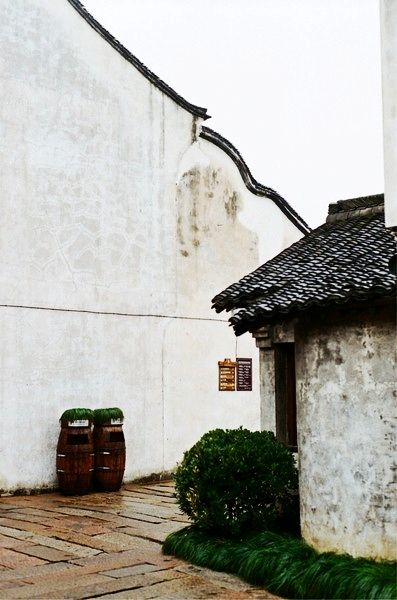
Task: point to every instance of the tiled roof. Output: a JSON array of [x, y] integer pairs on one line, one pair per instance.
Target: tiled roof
[[159, 83], [346, 259], [254, 186]]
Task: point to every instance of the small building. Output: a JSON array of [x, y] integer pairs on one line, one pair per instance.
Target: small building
[[324, 318]]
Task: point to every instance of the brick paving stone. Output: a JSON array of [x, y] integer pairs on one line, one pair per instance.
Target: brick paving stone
[[133, 518], [114, 516], [44, 552], [24, 526], [8, 542], [158, 488], [153, 511], [67, 547], [13, 533], [52, 569], [155, 536], [6, 585], [46, 519], [135, 570], [151, 532], [129, 496], [92, 526], [95, 542], [60, 522], [116, 585], [103, 545], [188, 588], [38, 512], [119, 541], [180, 519], [12, 559], [105, 561], [154, 493], [224, 580], [54, 588]]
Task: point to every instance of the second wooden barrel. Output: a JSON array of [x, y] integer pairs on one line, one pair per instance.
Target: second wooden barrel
[[110, 454], [75, 459]]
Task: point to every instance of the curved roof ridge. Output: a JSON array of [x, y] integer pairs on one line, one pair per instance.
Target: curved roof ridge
[[152, 77], [251, 183]]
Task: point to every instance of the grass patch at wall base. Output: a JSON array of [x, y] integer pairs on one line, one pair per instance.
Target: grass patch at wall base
[[286, 566]]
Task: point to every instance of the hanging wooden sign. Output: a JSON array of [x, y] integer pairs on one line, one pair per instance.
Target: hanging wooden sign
[[227, 375], [244, 374]]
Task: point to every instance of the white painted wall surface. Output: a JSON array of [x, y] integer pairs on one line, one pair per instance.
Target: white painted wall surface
[[103, 189], [388, 21], [346, 376]]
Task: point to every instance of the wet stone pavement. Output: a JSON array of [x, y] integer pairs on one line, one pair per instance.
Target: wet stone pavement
[[103, 545]]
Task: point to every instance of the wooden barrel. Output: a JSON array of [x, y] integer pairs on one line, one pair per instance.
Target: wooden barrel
[[75, 459], [109, 446]]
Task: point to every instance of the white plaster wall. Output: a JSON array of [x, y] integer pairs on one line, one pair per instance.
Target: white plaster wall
[[99, 306], [192, 403], [388, 21], [346, 432], [90, 155], [51, 361]]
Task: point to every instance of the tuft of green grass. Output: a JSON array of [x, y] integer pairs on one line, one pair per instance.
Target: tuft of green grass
[[287, 566], [77, 414], [104, 415]]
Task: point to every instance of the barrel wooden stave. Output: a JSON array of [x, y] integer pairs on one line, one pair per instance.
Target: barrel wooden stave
[[110, 456], [75, 460]]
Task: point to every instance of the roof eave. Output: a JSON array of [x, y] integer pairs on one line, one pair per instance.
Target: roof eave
[[250, 325]]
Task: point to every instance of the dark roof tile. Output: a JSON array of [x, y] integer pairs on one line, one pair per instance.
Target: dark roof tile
[[341, 261]]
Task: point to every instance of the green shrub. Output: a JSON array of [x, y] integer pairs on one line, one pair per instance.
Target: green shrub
[[235, 480]]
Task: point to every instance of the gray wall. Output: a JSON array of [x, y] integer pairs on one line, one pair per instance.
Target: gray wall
[[346, 382]]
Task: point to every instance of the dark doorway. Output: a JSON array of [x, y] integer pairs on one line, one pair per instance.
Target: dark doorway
[[285, 391]]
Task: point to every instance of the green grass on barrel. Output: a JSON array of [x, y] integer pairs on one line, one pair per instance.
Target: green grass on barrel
[[105, 415], [77, 414]]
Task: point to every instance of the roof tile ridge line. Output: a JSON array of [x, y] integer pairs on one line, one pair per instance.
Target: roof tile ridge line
[[139, 65], [251, 183], [356, 203], [355, 213]]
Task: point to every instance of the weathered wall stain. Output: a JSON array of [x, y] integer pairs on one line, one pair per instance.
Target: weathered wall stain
[[210, 199], [231, 205]]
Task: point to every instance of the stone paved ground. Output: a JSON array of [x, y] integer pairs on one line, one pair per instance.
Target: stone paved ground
[[104, 545]]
